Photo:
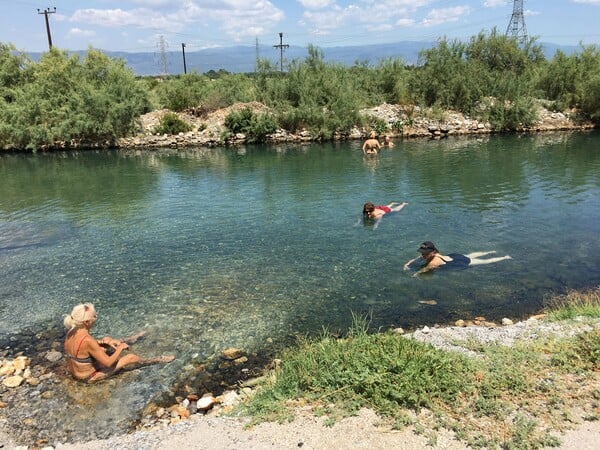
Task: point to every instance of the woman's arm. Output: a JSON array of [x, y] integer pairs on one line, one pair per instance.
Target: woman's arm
[[107, 341], [99, 354], [407, 265]]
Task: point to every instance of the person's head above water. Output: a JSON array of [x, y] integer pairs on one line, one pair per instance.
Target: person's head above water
[[368, 209], [81, 314], [427, 247]]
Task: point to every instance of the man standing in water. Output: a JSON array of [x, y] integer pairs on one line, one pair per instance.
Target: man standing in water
[[371, 146]]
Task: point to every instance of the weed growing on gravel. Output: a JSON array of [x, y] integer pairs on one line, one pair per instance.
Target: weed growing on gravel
[[509, 397], [383, 371], [575, 304]]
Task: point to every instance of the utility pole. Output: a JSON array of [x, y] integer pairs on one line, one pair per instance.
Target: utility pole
[[45, 13], [163, 58], [281, 46], [516, 26], [257, 52], [183, 51]]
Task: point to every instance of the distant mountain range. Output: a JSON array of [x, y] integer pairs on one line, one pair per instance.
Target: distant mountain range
[[243, 58]]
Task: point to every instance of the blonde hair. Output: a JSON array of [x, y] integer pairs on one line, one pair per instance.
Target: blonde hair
[[80, 313]]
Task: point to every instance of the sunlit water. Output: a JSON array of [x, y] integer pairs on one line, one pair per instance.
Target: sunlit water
[[242, 247]]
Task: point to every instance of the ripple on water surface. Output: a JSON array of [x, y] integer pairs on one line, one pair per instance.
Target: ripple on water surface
[[222, 248]]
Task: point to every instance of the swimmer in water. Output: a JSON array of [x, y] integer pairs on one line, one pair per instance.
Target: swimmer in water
[[373, 212], [434, 259]]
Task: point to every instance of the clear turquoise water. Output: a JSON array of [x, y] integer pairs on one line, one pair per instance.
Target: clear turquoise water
[[209, 249]]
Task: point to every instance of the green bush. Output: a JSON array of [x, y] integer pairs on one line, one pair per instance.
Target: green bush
[[511, 116], [62, 101], [170, 123], [256, 127]]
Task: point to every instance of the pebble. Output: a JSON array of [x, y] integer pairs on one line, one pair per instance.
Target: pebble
[[232, 353], [53, 356], [13, 381]]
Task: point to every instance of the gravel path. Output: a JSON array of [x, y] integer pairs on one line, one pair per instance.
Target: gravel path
[[306, 432]]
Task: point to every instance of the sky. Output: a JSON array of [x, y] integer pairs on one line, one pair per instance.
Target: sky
[[150, 25]]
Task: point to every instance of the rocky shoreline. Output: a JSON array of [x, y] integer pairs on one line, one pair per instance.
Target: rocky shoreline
[[402, 121], [32, 385], [398, 121]]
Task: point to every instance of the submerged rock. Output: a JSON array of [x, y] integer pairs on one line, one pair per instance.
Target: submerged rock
[[232, 353], [13, 381]]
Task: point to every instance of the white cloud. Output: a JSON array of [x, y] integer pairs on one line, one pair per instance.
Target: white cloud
[[440, 16], [590, 2], [316, 4], [236, 18], [141, 18], [380, 27], [153, 3], [242, 18], [372, 15], [495, 3], [79, 33], [405, 22]]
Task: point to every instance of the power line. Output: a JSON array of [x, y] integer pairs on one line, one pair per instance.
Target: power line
[[183, 51], [516, 26], [281, 46], [45, 13], [162, 55]]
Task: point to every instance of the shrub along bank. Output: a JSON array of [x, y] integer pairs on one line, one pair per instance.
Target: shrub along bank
[[65, 101]]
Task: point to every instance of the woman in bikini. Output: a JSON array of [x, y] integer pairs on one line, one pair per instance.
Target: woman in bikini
[[434, 259], [91, 360]]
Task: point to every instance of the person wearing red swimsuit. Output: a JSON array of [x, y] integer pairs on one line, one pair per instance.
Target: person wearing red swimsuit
[[373, 214], [370, 211]]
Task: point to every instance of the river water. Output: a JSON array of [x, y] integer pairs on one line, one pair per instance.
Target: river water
[[246, 247]]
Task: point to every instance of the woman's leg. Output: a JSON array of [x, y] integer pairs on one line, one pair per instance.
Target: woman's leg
[[475, 255], [132, 361], [395, 206], [478, 262], [129, 362]]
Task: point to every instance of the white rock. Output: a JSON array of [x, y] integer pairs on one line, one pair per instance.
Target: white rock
[[13, 381], [205, 403], [21, 362], [229, 398]]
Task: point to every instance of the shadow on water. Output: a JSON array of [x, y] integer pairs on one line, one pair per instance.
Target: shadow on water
[[250, 247]]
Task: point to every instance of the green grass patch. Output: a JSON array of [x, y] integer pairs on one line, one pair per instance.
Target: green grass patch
[[383, 371], [575, 304], [509, 397]]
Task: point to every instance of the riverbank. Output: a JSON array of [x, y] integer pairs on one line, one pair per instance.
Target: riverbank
[[216, 430], [401, 121]]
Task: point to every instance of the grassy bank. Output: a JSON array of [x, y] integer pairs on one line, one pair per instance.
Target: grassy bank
[[508, 396]]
